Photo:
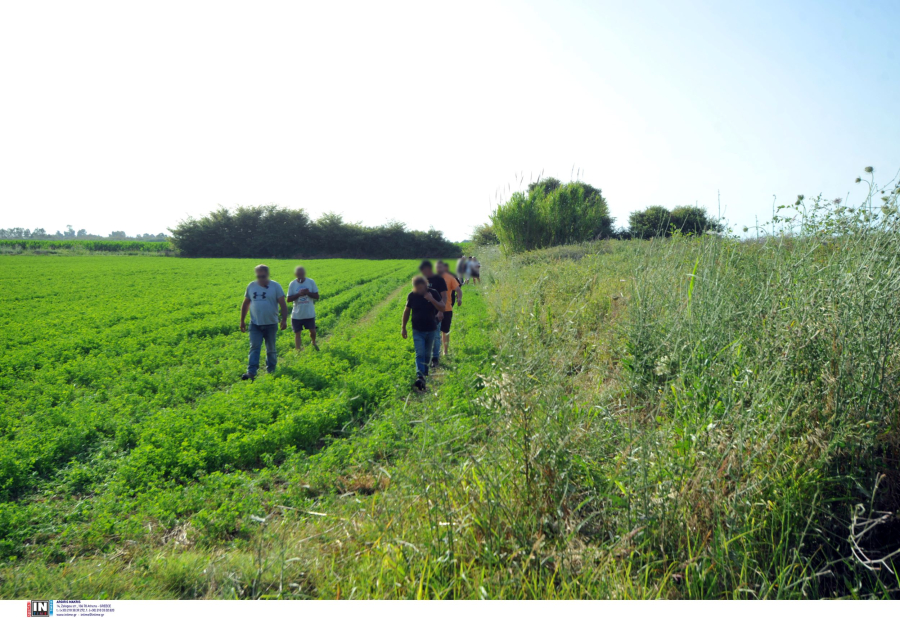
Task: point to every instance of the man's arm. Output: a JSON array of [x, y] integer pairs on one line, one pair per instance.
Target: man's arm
[[303, 292], [437, 304], [245, 306], [405, 320], [284, 312], [459, 296]]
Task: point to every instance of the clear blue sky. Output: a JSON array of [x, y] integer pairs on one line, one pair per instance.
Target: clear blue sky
[[127, 116]]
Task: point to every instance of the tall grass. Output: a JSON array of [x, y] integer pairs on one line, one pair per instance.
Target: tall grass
[[714, 417]]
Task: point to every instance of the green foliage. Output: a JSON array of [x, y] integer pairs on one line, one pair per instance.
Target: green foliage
[[86, 246], [19, 233], [485, 235], [551, 213], [270, 231], [656, 221]]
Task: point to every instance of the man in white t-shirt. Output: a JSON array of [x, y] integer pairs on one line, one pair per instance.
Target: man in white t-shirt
[[304, 293]]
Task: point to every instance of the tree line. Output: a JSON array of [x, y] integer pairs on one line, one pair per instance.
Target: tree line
[[554, 213], [271, 231], [70, 233]]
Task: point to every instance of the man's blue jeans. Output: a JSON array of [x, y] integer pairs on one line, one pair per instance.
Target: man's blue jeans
[[436, 347], [267, 332], [424, 342]]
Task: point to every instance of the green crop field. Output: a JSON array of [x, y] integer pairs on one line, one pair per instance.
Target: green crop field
[[139, 356], [122, 414]]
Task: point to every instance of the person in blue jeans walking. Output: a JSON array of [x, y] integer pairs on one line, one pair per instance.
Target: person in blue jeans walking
[[437, 284], [263, 299], [426, 307]]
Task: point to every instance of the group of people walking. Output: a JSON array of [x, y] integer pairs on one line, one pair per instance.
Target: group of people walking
[[468, 269], [430, 307]]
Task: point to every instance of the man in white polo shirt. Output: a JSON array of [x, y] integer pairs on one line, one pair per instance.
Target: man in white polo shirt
[[304, 293], [263, 299]]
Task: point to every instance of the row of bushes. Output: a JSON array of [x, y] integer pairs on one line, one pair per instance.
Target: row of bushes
[[270, 231], [39, 233], [552, 213], [107, 246]]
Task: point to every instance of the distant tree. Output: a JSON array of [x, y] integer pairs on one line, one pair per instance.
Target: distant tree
[[118, 235], [484, 234], [659, 221], [694, 220], [650, 222], [12, 233]]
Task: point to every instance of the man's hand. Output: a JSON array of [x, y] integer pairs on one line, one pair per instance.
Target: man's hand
[[459, 303], [243, 327], [440, 315], [303, 292], [283, 324], [403, 332]]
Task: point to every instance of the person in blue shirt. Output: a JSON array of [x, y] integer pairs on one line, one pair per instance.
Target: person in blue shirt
[[263, 299]]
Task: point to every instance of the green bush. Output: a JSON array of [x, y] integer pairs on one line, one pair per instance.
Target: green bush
[[485, 235], [550, 214], [656, 221]]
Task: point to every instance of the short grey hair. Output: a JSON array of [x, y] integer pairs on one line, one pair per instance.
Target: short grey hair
[[262, 267]]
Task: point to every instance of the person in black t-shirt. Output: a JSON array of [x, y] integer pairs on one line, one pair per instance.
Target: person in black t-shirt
[[426, 307], [435, 282]]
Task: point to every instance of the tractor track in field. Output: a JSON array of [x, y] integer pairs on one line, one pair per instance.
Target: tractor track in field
[[294, 355]]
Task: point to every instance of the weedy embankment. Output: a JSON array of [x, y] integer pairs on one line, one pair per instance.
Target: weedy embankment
[[701, 417]]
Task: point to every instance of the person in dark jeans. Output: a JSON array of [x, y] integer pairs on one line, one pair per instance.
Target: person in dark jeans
[[263, 299], [439, 285], [426, 307]]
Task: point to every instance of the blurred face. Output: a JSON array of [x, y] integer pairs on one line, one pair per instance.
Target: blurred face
[[420, 288], [300, 272], [262, 277], [442, 268], [426, 271]]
